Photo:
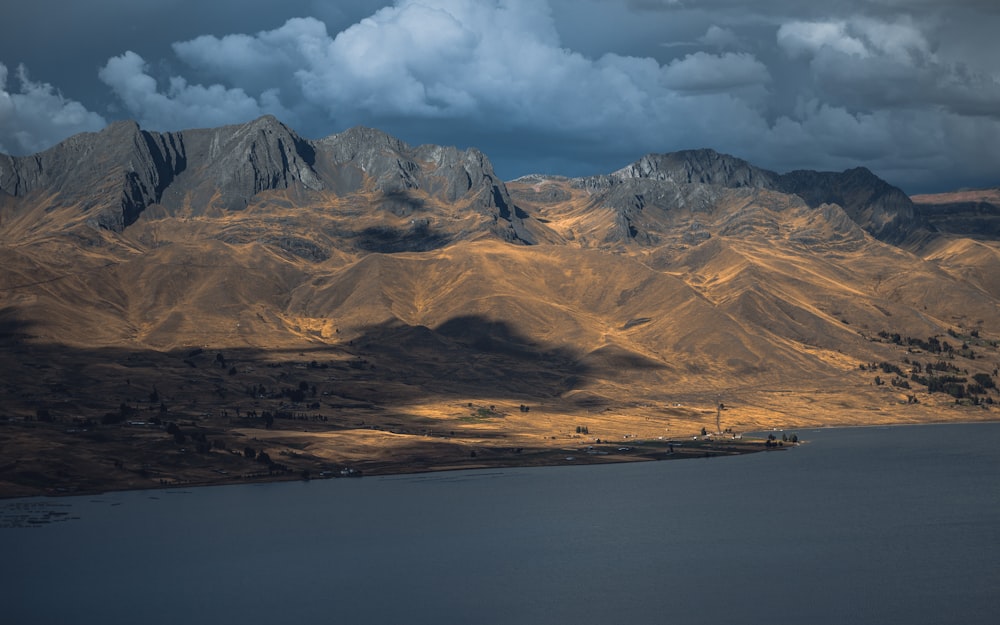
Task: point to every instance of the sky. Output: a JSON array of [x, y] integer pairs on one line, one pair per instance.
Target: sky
[[908, 88]]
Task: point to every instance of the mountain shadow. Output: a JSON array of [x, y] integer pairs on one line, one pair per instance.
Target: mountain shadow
[[419, 237], [387, 367], [13, 331], [471, 355]]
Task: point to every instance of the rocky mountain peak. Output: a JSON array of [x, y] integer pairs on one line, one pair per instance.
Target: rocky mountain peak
[[685, 178], [398, 169], [704, 166], [396, 166], [360, 144], [240, 161], [114, 174], [884, 211]]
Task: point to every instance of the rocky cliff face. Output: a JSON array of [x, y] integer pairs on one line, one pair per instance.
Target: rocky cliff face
[[112, 176], [116, 173], [685, 180], [697, 167], [689, 180], [238, 162], [397, 169], [883, 210]]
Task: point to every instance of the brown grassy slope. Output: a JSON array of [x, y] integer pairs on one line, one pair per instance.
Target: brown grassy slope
[[806, 279], [974, 262], [772, 293], [766, 276], [756, 300], [753, 244]]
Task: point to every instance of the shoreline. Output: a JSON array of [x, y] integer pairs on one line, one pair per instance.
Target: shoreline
[[489, 457], [589, 455]]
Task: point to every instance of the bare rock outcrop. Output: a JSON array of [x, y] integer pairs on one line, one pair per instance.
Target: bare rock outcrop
[[685, 180], [115, 174]]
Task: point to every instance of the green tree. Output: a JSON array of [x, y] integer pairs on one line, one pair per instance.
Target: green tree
[[984, 380]]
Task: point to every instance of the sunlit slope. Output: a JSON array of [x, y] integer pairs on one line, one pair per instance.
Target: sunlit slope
[[975, 262], [58, 291], [418, 277], [623, 328], [770, 260], [768, 292]]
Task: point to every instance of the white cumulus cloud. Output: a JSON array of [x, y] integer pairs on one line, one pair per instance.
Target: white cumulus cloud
[[866, 64], [810, 38], [180, 105], [498, 64], [36, 115]]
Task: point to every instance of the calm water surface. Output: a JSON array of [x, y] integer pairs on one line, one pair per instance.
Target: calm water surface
[[875, 525]]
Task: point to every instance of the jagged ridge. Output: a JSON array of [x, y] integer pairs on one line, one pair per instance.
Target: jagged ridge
[[676, 180], [117, 173]]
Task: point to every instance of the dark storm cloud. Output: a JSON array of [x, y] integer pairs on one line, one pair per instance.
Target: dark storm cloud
[[870, 63], [797, 7], [582, 86]]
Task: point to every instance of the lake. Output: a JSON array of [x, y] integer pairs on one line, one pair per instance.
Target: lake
[[861, 525]]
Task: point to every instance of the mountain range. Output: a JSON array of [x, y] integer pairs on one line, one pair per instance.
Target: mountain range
[[410, 283]]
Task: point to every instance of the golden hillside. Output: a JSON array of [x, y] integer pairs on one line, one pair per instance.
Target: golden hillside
[[418, 328]]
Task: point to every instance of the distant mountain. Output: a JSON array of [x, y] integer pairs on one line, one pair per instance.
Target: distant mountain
[[971, 212], [882, 210], [691, 167]]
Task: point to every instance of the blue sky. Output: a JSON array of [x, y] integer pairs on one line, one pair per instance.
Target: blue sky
[[908, 88]]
